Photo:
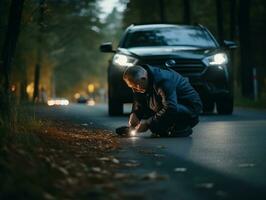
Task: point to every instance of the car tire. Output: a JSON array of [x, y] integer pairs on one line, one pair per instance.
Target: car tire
[[225, 106], [115, 107], [207, 104]]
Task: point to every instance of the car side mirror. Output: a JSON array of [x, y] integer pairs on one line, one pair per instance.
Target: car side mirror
[[229, 44], [107, 47]]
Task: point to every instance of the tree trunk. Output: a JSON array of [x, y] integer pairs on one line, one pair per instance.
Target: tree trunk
[[23, 90], [8, 53], [186, 16], [220, 27], [162, 10], [232, 36], [39, 53], [232, 19], [245, 48]]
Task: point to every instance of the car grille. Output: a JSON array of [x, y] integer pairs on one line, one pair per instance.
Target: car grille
[[182, 66]]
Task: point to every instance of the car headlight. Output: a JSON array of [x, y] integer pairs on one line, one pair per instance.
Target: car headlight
[[216, 59], [124, 60]]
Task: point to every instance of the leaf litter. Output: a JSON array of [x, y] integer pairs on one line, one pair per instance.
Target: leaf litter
[[77, 160]]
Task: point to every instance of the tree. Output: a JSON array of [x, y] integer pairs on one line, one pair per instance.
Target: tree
[[162, 10], [8, 52], [232, 19], [246, 56], [186, 12], [77, 32], [142, 12], [39, 51], [219, 16]]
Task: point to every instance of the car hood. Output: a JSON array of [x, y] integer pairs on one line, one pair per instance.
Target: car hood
[[173, 52]]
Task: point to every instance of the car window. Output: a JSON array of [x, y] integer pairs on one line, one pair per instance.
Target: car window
[[171, 36]]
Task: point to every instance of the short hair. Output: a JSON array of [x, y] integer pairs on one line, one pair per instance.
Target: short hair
[[134, 73]]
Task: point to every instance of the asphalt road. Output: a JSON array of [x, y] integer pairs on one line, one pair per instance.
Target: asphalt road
[[224, 159]]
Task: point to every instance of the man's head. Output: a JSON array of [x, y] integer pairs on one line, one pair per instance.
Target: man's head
[[136, 78]]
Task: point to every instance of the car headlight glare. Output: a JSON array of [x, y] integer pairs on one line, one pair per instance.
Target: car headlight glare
[[123, 60], [216, 59]]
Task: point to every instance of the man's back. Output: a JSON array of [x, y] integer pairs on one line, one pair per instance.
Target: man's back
[[169, 80]]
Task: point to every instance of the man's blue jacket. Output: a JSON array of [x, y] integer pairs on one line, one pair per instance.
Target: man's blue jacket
[[169, 95]]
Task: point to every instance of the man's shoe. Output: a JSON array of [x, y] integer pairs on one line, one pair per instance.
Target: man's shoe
[[154, 135], [182, 133]]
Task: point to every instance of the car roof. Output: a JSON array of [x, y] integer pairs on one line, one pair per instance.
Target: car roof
[[154, 26]]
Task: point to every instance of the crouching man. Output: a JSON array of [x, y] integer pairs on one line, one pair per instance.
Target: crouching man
[[164, 101]]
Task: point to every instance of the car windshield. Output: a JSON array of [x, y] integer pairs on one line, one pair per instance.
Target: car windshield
[[171, 36]]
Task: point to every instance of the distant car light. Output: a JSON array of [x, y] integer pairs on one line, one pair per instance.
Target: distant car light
[[77, 95], [57, 102], [216, 59], [123, 60], [91, 102]]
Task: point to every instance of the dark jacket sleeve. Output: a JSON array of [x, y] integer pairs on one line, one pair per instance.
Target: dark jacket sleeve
[[167, 92]]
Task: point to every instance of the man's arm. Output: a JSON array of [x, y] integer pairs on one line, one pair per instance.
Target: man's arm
[[167, 113], [138, 105]]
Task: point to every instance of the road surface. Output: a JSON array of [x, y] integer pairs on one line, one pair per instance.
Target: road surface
[[224, 159]]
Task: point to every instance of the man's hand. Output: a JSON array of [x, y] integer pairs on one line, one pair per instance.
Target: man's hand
[[133, 120], [142, 126]]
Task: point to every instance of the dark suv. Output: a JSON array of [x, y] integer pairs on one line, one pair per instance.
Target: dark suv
[[191, 51]]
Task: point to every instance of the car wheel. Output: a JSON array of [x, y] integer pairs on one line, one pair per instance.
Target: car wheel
[[207, 104], [225, 106], [115, 107]]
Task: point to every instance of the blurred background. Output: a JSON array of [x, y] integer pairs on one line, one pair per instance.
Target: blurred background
[[54, 48]]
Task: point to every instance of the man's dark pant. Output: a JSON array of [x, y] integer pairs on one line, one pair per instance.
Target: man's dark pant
[[178, 122]]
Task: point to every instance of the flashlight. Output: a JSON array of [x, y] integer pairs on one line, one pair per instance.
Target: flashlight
[[126, 131], [133, 132]]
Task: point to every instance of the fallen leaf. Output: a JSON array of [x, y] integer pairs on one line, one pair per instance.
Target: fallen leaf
[[116, 161], [104, 159], [133, 161], [154, 176], [96, 169], [159, 155], [120, 176], [22, 152], [207, 185], [63, 170], [71, 181], [180, 169], [105, 172], [48, 196], [132, 164], [246, 165], [221, 193]]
